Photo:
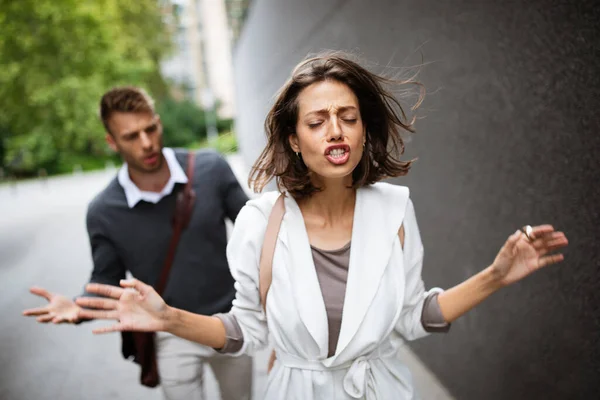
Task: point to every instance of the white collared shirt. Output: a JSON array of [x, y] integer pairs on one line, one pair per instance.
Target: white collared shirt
[[134, 194]]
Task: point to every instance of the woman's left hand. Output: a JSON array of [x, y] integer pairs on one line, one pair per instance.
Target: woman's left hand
[[519, 257]]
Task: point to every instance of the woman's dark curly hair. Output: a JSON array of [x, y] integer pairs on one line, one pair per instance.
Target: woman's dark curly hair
[[382, 115]]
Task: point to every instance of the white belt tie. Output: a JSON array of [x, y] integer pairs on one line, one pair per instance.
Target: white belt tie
[[356, 378]]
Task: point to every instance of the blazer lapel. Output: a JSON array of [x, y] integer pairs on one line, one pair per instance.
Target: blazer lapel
[[377, 218], [306, 288]]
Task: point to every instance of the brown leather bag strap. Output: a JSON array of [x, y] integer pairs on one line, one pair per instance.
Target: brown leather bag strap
[[183, 210], [268, 249]]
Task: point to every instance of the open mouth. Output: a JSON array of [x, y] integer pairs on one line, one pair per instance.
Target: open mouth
[[338, 154]]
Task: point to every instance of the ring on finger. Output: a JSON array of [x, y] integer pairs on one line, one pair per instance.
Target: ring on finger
[[528, 231]]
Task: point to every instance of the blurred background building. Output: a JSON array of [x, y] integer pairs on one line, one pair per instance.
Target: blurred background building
[[200, 67]]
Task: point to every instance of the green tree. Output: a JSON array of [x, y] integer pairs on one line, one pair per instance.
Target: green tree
[[184, 122], [57, 57]]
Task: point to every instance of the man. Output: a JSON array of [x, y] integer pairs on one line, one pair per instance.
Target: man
[[129, 227]]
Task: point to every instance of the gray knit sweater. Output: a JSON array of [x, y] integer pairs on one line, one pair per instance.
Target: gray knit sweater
[[136, 239]]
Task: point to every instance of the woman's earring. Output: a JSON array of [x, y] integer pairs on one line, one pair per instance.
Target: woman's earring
[[298, 154]]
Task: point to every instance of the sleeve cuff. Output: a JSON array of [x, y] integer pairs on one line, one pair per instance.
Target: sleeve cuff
[[234, 338], [431, 318]]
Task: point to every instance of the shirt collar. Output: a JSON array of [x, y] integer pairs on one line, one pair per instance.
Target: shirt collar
[[134, 195]]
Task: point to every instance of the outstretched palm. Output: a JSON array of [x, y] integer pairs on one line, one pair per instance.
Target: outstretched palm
[[519, 257], [136, 306], [59, 309]]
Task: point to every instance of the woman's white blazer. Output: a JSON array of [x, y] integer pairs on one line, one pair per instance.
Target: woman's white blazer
[[382, 307]]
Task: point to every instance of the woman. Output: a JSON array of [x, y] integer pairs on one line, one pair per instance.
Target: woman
[[346, 285]]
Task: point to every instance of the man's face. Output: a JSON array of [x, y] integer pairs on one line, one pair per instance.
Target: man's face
[[137, 137]]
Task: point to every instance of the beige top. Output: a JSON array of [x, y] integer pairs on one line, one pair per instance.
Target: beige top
[[332, 271]]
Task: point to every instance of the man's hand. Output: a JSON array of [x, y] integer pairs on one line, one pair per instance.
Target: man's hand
[[60, 309]]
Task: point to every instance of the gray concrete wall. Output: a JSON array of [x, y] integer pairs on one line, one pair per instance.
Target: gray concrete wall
[[510, 136]]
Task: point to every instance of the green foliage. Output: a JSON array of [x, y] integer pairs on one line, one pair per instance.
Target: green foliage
[[57, 57], [225, 143], [184, 122], [69, 161]]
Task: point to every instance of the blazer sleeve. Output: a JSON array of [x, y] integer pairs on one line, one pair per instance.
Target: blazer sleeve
[[243, 255], [410, 324]]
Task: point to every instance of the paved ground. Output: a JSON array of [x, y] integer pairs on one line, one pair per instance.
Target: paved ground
[[43, 241]]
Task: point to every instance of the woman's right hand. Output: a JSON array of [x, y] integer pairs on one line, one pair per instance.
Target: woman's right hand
[[135, 305]]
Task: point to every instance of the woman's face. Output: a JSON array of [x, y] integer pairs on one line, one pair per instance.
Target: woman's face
[[330, 134]]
